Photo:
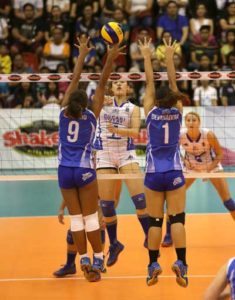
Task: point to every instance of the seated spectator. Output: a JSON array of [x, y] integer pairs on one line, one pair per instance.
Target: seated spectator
[[119, 17], [227, 93], [228, 46], [20, 66], [182, 84], [137, 60], [51, 96], [182, 4], [22, 90], [140, 12], [77, 7], [5, 60], [172, 22], [62, 85], [28, 102], [28, 33], [205, 95], [19, 8], [161, 49], [230, 65], [211, 4], [91, 57], [204, 44], [64, 5], [5, 8], [200, 20], [227, 21], [54, 21], [56, 51], [108, 8], [41, 87], [4, 33]]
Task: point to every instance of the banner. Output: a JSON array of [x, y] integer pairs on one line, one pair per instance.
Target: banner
[[29, 137]]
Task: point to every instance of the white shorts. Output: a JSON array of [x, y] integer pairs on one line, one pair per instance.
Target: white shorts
[[218, 168], [115, 159]]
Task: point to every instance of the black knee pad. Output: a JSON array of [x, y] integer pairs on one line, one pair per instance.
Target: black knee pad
[[69, 238], [178, 218], [155, 222]]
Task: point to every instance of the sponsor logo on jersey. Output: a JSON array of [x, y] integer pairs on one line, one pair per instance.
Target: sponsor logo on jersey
[[177, 181], [86, 176], [37, 139], [130, 157]]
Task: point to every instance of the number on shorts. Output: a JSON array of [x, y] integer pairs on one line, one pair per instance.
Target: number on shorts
[[73, 130], [166, 133]]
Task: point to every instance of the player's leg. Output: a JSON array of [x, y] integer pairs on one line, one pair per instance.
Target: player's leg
[[107, 190], [155, 198], [136, 190], [222, 188], [176, 196], [167, 241]]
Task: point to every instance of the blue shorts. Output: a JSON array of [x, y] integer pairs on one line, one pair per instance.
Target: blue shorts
[[162, 182], [70, 177]]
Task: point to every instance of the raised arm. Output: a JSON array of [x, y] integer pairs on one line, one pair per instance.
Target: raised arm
[[83, 51], [98, 98], [170, 50], [149, 97]]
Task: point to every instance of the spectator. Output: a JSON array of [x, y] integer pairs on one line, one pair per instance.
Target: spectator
[[23, 89], [5, 8], [19, 65], [91, 57], [227, 22], [230, 65], [20, 4], [62, 85], [227, 93], [27, 33], [5, 60], [77, 7], [228, 46], [172, 22], [108, 8], [51, 97], [140, 12], [56, 51], [200, 20], [4, 33], [204, 43], [119, 17], [182, 84], [27, 102], [182, 4], [41, 87], [161, 49], [205, 95], [137, 60], [64, 5], [54, 21]]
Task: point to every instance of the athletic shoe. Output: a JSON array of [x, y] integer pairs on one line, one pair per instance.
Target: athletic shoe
[[153, 271], [114, 250], [65, 270], [98, 264], [167, 241], [180, 271]]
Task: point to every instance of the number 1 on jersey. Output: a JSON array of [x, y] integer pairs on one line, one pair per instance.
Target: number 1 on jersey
[[166, 133], [73, 130]]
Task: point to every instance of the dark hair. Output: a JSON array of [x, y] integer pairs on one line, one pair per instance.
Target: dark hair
[[230, 31], [170, 2], [166, 98], [78, 101], [205, 27], [28, 4]]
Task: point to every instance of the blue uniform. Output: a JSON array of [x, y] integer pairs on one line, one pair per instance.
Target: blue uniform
[[75, 150], [163, 162], [231, 276]]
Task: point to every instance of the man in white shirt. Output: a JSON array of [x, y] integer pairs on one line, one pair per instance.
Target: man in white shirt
[[205, 95]]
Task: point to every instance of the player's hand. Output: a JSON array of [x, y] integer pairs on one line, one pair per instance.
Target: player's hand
[[145, 47], [110, 127], [114, 51], [61, 216], [83, 45], [170, 47], [108, 100]]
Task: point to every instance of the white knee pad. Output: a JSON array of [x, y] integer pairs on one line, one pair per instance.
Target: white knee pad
[[91, 222], [77, 223]]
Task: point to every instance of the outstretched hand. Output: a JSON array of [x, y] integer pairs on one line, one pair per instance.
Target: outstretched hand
[[170, 47], [83, 45], [115, 51], [145, 47]]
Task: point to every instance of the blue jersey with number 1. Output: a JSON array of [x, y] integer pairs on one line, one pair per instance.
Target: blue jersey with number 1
[[163, 127], [76, 138]]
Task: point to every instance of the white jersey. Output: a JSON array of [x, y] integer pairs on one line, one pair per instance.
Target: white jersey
[[199, 152], [120, 117]]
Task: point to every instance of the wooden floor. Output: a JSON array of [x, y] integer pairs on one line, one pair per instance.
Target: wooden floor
[[32, 248]]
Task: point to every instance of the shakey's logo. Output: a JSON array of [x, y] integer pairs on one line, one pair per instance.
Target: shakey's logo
[[37, 139]]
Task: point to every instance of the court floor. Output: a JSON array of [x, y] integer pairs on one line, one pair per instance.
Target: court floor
[[33, 246]]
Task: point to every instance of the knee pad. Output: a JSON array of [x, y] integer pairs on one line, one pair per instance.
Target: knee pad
[[91, 222], [69, 238], [108, 208], [178, 218], [230, 204], [139, 201], [77, 223], [155, 222]]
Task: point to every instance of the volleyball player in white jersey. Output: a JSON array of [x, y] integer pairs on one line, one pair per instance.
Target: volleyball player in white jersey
[[223, 285], [202, 153], [118, 124]]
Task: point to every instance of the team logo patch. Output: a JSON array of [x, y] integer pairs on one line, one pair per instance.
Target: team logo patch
[[177, 181], [86, 176]]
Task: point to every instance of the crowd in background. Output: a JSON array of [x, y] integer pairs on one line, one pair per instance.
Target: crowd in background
[[38, 36]]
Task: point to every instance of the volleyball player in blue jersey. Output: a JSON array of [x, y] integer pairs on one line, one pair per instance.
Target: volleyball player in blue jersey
[[164, 178], [76, 174]]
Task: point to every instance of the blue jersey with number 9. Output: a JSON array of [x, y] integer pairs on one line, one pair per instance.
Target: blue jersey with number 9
[[163, 128], [75, 140]]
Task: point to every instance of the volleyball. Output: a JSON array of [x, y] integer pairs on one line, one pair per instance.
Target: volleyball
[[112, 33]]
